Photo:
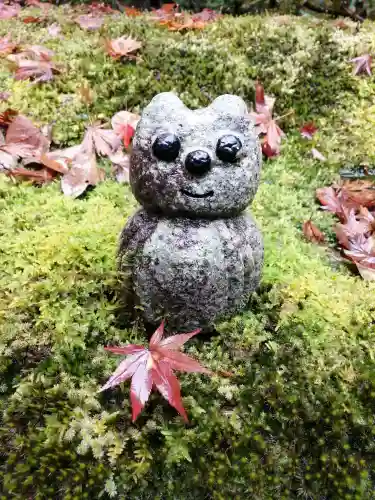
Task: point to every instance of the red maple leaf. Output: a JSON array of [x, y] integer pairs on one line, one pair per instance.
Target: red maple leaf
[[264, 123], [362, 64], [124, 124], [153, 367], [32, 19], [308, 130]]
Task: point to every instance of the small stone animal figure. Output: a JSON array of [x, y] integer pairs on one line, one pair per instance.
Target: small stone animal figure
[[196, 254]]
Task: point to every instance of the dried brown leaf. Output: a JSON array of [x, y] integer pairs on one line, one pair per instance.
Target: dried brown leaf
[[312, 233], [89, 22], [84, 173], [23, 133], [102, 141], [123, 47]]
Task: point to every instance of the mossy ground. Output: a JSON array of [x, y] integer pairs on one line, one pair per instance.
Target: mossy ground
[[297, 418]]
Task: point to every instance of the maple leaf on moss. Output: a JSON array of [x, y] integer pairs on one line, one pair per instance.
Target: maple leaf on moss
[[89, 22], [6, 46], [264, 123], [124, 124], [123, 47], [153, 367], [104, 142], [38, 71], [83, 173], [308, 130]]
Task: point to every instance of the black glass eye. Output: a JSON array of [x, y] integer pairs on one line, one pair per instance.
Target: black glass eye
[[227, 148], [166, 147]]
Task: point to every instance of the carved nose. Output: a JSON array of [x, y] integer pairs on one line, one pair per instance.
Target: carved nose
[[198, 162]]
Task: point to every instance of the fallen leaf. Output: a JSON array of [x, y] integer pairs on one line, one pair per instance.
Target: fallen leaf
[[362, 250], [8, 11], [166, 11], [6, 46], [7, 116], [41, 5], [102, 141], [260, 100], [341, 24], [38, 52], [65, 156], [23, 137], [312, 233], [265, 125], [122, 47], [7, 161], [101, 7], [317, 155], [90, 23], [123, 118], [83, 173], [350, 229], [52, 164], [121, 165], [359, 192], [206, 15], [124, 124], [41, 176], [333, 202], [362, 64], [32, 19], [38, 71], [132, 12], [169, 7], [365, 217], [153, 367], [308, 130]]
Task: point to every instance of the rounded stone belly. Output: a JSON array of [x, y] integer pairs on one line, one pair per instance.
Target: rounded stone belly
[[189, 273]]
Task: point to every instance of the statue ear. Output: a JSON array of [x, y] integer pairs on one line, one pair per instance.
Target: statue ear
[[163, 105], [230, 105]]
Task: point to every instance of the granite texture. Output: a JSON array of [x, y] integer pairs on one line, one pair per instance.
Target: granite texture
[[196, 256], [226, 189]]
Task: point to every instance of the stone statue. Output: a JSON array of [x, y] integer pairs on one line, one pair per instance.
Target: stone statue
[[196, 255]]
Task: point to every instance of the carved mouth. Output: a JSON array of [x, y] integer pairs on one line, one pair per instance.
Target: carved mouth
[[196, 195]]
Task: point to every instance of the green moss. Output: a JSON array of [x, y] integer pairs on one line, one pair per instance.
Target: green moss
[[296, 419]]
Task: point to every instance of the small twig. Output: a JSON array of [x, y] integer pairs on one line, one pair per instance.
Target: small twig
[[278, 118]]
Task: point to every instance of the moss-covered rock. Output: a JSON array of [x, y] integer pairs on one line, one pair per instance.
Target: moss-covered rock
[[296, 420]]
